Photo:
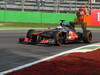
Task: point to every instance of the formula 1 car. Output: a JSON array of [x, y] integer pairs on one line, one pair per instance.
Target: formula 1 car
[[64, 33]]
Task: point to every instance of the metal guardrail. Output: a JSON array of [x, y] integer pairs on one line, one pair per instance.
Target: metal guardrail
[[44, 5]]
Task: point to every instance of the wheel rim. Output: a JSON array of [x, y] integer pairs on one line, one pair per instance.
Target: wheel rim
[[59, 39]]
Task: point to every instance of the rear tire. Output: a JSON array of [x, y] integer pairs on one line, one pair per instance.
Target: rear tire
[[29, 33], [87, 37]]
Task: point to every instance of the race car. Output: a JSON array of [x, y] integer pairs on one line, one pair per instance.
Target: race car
[[64, 33]]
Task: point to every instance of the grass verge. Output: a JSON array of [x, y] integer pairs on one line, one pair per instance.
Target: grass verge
[[4, 25]]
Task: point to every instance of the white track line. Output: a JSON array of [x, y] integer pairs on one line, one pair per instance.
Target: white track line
[[48, 58]]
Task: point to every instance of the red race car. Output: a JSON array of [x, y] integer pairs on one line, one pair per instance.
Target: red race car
[[64, 33]]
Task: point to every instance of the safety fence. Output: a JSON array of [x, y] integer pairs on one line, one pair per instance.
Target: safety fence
[[45, 5]]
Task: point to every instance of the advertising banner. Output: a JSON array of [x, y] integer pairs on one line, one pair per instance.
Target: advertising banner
[[94, 18]]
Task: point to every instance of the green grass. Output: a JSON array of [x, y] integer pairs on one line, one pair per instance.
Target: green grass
[[4, 25], [91, 47], [96, 27], [27, 25]]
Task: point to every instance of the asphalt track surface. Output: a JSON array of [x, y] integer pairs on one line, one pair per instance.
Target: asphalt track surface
[[13, 54]]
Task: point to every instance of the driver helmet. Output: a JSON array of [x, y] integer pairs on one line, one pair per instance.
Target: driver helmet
[[66, 24]]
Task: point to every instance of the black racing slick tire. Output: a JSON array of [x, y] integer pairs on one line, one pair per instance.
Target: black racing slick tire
[[59, 38], [87, 37], [29, 33]]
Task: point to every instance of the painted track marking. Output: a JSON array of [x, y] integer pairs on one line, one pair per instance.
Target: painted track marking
[[51, 57]]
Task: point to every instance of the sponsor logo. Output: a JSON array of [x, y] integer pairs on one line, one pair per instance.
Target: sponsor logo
[[98, 16]]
